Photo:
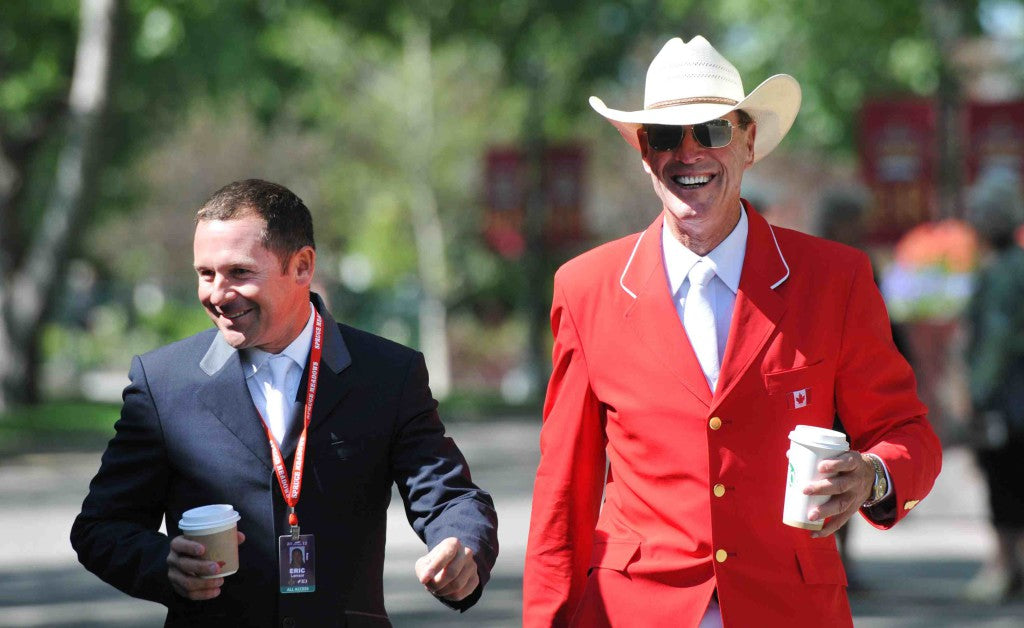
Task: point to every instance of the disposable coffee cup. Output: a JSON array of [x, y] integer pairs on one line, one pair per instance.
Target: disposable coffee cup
[[216, 527], [808, 445]]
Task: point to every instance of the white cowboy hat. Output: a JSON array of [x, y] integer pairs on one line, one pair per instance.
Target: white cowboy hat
[[692, 83]]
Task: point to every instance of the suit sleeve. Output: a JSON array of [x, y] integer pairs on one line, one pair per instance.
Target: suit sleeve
[[433, 478], [569, 483], [116, 535], [876, 398]]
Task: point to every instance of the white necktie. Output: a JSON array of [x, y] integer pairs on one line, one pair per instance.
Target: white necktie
[[279, 403], [699, 321]]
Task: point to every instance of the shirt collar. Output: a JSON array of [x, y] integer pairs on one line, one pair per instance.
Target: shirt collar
[[726, 258], [253, 359]]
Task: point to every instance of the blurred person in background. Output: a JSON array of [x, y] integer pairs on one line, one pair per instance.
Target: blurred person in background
[[224, 417], [995, 359], [683, 357], [840, 217]]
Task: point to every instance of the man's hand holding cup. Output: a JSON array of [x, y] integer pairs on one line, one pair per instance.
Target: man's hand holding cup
[[826, 483], [193, 576], [205, 552], [848, 482]]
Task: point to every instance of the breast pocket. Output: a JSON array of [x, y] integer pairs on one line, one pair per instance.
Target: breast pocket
[[363, 450], [803, 395], [353, 471]]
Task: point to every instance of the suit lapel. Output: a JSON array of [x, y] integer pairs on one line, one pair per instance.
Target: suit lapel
[[653, 315], [333, 378], [758, 307], [227, 396]]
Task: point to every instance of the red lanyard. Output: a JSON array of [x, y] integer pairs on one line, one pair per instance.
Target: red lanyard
[[290, 490]]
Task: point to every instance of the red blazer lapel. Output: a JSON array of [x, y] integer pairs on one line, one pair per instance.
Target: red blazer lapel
[[653, 316], [759, 307]]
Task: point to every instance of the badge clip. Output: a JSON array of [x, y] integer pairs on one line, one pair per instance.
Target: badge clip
[[293, 522]]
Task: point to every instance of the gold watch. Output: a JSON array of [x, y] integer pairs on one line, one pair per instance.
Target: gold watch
[[881, 485]]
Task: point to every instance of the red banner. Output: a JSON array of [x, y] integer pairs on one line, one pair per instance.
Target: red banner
[[898, 159], [506, 196], [563, 191], [505, 185], [994, 137]]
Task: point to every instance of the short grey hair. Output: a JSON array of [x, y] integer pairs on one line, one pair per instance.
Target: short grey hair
[[995, 206]]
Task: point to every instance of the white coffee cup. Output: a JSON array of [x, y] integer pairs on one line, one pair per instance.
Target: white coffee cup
[[216, 527], [808, 446]]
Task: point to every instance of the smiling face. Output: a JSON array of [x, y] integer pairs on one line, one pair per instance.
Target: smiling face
[[252, 296], [699, 187]]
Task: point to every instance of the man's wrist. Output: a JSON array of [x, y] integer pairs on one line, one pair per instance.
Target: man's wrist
[[880, 487]]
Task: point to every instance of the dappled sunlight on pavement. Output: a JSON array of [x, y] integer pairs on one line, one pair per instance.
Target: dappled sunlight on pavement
[[912, 575]]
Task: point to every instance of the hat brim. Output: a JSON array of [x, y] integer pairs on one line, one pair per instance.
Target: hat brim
[[773, 105]]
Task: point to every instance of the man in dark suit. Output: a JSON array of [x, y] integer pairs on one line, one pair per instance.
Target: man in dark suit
[[211, 419]]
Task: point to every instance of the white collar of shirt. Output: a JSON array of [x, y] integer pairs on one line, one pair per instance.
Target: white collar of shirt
[[253, 359], [726, 258]]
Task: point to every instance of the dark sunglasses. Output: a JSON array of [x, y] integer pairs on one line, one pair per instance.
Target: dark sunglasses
[[710, 134]]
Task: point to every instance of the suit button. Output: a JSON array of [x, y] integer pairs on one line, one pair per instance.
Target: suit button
[[721, 555], [719, 490], [715, 423], [289, 622]]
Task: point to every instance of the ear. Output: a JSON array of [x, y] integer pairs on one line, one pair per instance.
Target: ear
[[751, 134], [644, 149], [303, 264]]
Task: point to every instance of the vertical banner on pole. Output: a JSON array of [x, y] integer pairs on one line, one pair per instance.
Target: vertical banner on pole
[[994, 138], [503, 226], [506, 196], [563, 193], [898, 159]]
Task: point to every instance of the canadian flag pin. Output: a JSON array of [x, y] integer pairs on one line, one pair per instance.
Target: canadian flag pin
[[800, 398]]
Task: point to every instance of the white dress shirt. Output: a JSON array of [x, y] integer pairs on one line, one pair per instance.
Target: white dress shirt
[[726, 259], [258, 377]]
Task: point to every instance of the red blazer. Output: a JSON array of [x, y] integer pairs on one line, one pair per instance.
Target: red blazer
[[693, 483]]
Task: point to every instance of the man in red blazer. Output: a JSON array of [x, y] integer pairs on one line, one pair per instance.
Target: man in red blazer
[[683, 357]]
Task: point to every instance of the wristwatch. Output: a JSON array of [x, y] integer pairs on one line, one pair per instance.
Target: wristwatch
[[881, 485]]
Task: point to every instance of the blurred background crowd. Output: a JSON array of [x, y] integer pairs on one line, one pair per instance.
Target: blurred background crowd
[[451, 163]]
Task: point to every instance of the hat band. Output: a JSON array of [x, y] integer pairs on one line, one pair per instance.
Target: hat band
[[701, 100]]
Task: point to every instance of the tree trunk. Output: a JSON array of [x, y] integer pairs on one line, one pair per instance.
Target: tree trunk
[[428, 232], [28, 291], [537, 257], [946, 23]]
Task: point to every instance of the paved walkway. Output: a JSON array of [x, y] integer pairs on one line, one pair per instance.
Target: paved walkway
[[915, 571]]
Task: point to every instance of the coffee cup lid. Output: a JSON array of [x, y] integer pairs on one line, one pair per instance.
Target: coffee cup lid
[[819, 437], [210, 516]]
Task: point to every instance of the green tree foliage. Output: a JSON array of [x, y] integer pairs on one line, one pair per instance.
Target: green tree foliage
[[841, 52], [36, 247], [37, 45], [324, 87]]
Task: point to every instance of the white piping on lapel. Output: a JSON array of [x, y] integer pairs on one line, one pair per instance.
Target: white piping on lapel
[[781, 257], [628, 262]]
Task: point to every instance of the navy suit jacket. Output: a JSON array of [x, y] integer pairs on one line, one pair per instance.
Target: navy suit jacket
[[189, 435]]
